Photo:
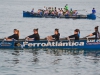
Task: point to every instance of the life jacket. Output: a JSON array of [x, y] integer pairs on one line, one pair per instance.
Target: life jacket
[[79, 35]]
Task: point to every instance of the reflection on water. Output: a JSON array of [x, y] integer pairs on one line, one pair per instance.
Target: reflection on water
[[47, 61], [50, 61], [56, 52]]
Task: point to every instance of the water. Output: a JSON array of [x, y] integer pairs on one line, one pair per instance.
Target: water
[[49, 62]]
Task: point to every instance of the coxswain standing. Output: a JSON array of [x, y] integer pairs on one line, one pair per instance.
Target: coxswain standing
[[93, 11], [66, 7], [34, 36]]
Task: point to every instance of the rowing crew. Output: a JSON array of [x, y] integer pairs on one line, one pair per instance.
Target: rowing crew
[[35, 36]]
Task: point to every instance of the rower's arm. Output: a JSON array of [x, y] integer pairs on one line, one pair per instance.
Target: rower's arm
[[27, 37], [68, 38], [90, 35], [10, 37], [31, 36], [72, 36]]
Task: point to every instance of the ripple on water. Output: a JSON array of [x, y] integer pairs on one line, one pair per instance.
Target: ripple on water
[[47, 61], [18, 62]]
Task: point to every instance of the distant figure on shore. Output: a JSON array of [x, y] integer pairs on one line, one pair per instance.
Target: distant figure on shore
[[93, 11]]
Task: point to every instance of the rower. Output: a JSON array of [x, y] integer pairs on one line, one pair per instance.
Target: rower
[[93, 11], [96, 33], [32, 11], [75, 13], [14, 36], [76, 35], [56, 36], [71, 11], [46, 12], [34, 36], [44, 8], [67, 13], [55, 12], [60, 13], [55, 8], [52, 13]]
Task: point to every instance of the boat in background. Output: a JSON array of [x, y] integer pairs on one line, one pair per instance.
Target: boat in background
[[61, 44], [29, 14]]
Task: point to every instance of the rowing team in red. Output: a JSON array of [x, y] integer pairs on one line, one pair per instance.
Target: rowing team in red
[[35, 36]]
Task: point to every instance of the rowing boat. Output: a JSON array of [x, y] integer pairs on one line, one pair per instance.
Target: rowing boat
[[62, 43], [29, 14]]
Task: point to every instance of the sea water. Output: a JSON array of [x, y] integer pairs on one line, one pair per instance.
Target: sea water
[[48, 61]]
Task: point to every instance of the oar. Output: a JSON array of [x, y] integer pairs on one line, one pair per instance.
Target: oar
[[82, 10], [98, 16], [3, 40]]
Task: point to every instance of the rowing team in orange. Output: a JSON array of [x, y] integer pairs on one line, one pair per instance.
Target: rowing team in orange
[[35, 36]]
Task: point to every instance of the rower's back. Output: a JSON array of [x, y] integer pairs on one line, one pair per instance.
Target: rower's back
[[76, 34], [36, 37], [96, 33], [56, 36], [15, 35]]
